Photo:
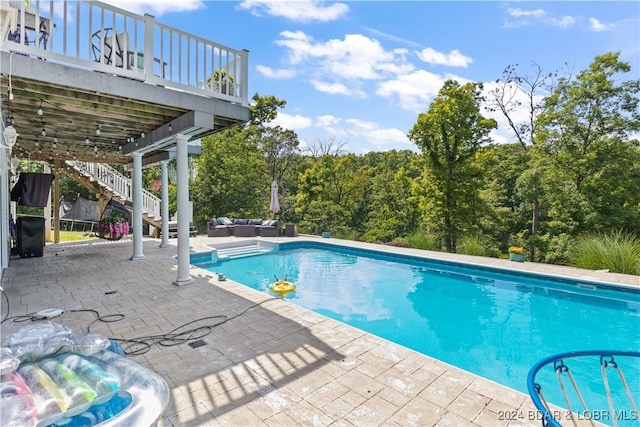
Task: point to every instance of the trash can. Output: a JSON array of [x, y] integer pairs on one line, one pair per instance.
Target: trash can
[[290, 230], [30, 236]]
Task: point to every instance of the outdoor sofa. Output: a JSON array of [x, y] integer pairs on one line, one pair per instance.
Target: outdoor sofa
[[242, 227]]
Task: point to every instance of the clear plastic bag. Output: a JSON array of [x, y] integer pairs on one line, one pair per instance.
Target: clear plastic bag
[[40, 340]]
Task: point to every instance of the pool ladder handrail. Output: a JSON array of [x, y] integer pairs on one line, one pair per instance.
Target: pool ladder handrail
[[535, 391]]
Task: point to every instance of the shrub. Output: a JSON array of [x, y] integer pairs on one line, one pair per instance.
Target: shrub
[[476, 244], [618, 252], [401, 243], [424, 240]]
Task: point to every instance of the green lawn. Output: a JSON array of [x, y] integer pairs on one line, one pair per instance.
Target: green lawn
[[70, 236]]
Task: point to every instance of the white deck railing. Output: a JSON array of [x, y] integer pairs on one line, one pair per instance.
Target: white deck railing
[[119, 185], [101, 37]]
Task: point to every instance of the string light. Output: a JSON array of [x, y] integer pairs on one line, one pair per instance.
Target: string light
[[98, 129], [170, 127], [40, 110], [44, 131]]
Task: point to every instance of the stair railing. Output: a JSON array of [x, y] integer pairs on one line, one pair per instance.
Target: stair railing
[[118, 184]]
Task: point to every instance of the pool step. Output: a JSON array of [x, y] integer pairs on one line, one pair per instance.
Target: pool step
[[242, 251]]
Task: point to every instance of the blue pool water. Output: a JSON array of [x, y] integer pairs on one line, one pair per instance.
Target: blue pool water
[[490, 322]]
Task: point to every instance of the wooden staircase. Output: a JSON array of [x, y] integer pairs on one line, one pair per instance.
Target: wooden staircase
[[110, 183]]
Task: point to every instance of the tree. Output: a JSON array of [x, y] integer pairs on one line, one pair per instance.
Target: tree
[[237, 166], [392, 208], [511, 95], [449, 135], [333, 196], [318, 148], [586, 140], [505, 214], [232, 179]]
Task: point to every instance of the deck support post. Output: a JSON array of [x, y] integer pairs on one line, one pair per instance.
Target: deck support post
[[164, 204], [136, 219], [182, 160]]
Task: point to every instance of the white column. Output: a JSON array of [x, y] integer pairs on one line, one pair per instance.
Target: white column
[[136, 219], [182, 160], [5, 245], [164, 204]]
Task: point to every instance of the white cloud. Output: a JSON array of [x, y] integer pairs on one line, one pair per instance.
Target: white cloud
[[299, 10], [276, 74], [374, 134], [597, 26], [336, 89], [528, 17], [157, 7], [414, 91], [354, 57], [452, 59], [342, 66], [287, 121], [327, 120], [564, 22], [519, 13]]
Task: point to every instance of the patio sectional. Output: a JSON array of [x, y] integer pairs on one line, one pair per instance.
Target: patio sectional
[[242, 227]]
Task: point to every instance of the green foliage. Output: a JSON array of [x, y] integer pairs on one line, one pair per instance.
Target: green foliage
[[618, 252], [449, 135], [393, 209], [573, 169], [333, 193], [424, 239], [590, 161], [556, 249], [477, 244], [232, 179]]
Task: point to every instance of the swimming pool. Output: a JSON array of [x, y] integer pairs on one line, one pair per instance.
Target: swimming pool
[[493, 323]]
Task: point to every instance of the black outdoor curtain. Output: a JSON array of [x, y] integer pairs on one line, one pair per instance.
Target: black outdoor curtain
[[32, 189]]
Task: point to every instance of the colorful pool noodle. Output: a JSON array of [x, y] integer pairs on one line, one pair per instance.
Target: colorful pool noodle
[[77, 391], [96, 377], [18, 406], [48, 398]]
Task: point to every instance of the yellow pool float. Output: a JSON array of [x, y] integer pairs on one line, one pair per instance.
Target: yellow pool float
[[282, 287]]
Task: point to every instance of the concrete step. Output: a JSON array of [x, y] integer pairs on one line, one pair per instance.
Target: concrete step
[[242, 251]]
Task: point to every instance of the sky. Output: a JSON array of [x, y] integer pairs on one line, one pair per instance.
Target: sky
[[357, 74]]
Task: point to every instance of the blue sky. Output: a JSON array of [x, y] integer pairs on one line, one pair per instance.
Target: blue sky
[[358, 73]]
